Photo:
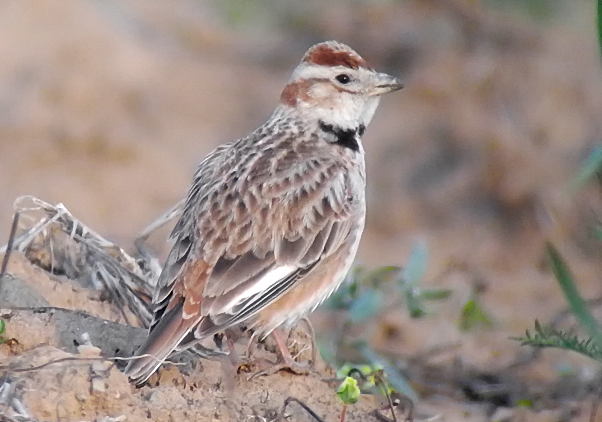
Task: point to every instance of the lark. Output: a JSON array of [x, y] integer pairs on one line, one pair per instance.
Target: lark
[[272, 221]]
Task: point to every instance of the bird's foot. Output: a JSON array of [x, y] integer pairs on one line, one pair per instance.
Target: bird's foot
[[286, 361], [284, 364]]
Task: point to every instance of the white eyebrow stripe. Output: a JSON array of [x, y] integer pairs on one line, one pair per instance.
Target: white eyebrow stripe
[[305, 71]]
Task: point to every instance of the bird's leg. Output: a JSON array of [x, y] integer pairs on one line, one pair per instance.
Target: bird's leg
[[239, 363], [286, 360], [312, 337], [234, 358], [231, 337], [285, 354], [249, 344]]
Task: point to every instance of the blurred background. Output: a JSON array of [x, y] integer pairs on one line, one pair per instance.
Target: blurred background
[[109, 106]]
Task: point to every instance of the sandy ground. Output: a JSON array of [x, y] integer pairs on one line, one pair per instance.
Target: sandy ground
[[108, 106]]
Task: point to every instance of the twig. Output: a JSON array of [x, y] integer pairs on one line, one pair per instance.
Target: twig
[[6, 418], [9, 246], [110, 268], [77, 358], [300, 352], [381, 384], [103, 275], [303, 405], [172, 213], [394, 400], [52, 362], [155, 266]]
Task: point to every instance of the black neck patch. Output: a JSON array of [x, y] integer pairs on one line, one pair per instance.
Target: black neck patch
[[345, 137]]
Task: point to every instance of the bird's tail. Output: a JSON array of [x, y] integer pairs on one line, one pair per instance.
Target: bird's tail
[[162, 340]]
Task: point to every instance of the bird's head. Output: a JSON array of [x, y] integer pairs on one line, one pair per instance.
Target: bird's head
[[333, 84]]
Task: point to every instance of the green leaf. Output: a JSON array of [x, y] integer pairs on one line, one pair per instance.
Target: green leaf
[[569, 289], [2, 331], [343, 371], [549, 337], [437, 294], [348, 391], [415, 304], [365, 306], [396, 378], [526, 403], [415, 268], [591, 167], [346, 368], [382, 274], [473, 315], [411, 275]]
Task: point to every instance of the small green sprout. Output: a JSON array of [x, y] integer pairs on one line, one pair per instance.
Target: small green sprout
[[373, 377], [348, 391], [2, 331], [526, 403], [474, 315]]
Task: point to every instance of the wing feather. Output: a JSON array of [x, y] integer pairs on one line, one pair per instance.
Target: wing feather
[[253, 225], [183, 234]]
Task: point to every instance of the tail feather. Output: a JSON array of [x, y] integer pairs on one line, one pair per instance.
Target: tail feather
[[162, 340]]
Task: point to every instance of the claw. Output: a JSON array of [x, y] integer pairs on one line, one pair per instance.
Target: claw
[[285, 361]]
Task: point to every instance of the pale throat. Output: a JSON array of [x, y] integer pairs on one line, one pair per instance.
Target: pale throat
[[346, 115], [342, 124]]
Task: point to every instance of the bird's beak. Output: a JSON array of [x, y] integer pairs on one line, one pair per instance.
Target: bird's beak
[[384, 84]]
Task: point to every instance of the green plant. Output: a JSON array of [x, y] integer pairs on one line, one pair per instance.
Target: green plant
[[371, 375], [545, 336], [362, 295], [373, 380], [2, 331], [349, 393], [370, 294], [548, 336], [473, 314]]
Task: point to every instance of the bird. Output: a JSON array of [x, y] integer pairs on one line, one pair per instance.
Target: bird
[[272, 222]]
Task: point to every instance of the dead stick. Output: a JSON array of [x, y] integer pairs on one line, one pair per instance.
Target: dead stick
[[9, 246], [303, 405], [9, 369]]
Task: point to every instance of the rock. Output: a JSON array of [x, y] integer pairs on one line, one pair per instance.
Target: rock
[[63, 328], [15, 293]]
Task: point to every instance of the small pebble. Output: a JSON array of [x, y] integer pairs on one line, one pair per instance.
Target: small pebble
[[98, 385], [88, 351]]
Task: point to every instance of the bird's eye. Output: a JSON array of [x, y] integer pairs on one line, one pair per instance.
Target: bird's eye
[[343, 78]]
